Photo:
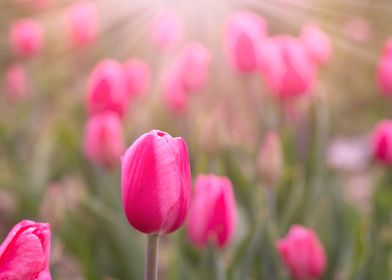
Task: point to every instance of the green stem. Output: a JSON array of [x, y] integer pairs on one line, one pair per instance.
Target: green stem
[[151, 272]]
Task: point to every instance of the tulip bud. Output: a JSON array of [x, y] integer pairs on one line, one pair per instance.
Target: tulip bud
[[24, 254], [212, 217], [243, 33], [384, 72], [382, 142], [26, 37], [302, 253], [173, 90], [107, 89], [137, 75], [81, 23], [167, 30], [103, 139], [156, 183], [270, 159], [317, 44], [17, 82]]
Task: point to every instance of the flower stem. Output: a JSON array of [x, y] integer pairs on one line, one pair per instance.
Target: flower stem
[[151, 272]]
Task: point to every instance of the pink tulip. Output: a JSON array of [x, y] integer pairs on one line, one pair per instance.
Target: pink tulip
[[194, 61], [167, 30], [174, 93], [107, 89], [81, 22], [384, 72], [26, 37], [302, 253], [358, 29], [317, 44], [382, 142], [103, 139], [137, 75], [243, 33], [212, 216], [24, 254], [156, 183], [17, 82]]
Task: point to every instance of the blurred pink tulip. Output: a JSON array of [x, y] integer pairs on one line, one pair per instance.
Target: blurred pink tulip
[[317, 43], [243, 33], [17, 82], [81, 21], [288, 70], [382, 142], [358, 29], [174, 93], [25, 252], [26, 37], [104, 140], [302, 253], [167, 30], [213, 215], [107, 89], [156, 183], [384, 72], [137, 75]]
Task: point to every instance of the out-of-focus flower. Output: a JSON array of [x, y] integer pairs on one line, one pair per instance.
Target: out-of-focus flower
[[270, 159], [25, 252], [213, 212], [137, 75], [384, 72], [317, 43], [358, 29], [156, 183], [81, 22], [26, 37], [174, 93], [243, 33], [17, 82], [167, 30], [293, 74], [107, 89], [104, 140], [302, 253], [382, 142]]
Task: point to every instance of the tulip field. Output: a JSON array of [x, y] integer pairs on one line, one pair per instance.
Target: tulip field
[[187, 140]]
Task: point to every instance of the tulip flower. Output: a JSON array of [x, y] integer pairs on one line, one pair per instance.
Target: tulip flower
[[174, 93], [302, 253], [103, 139], [317, 44], [137, 75], [384, 72], [81, 22], [24, 254], [155, 188], [212, 217], [382, 142], [107, 89], [26, 37], [358, 30], [17, 82], [242, 35], [167, 30]]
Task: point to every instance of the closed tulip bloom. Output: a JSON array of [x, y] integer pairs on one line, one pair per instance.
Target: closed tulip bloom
[[156, 183], [104, 140], [302, 253], [25, 252], [17, 82], [174, 93], [167, 30], [317, 43], [26, 37], [382, 142], [137, 75], [212, 217], [242, 35], [81, 22], [107, 89], [384, 71]]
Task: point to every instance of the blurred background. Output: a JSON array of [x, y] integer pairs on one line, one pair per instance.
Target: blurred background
[[327, 179]]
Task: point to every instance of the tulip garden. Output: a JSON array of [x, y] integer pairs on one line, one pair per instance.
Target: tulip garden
[[211, 139]]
